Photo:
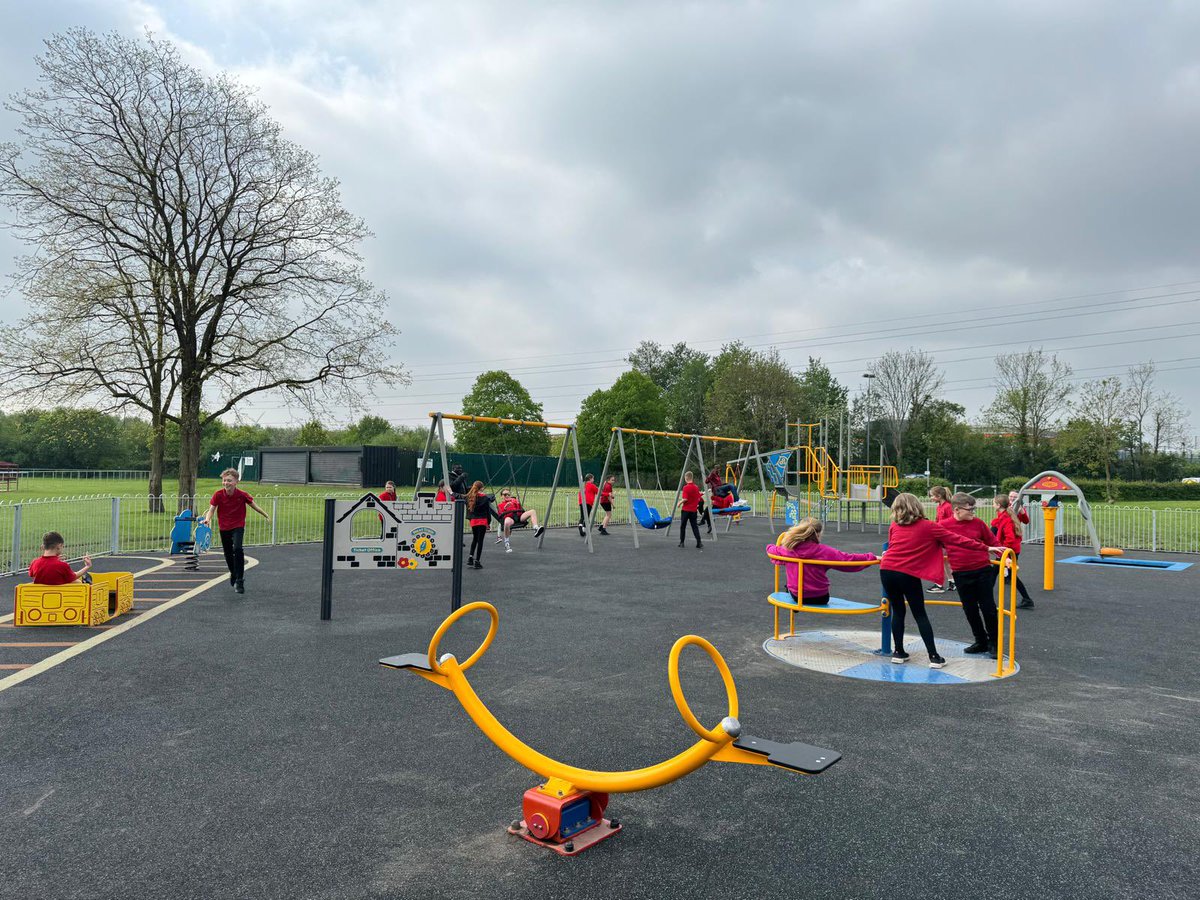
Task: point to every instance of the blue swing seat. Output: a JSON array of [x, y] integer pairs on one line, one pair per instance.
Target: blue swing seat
[[733, 510], [648, 516]]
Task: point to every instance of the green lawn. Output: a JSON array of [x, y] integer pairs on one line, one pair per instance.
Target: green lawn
[[31, 488]]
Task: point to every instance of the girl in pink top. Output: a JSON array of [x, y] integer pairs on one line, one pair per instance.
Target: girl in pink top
[[803, 541]]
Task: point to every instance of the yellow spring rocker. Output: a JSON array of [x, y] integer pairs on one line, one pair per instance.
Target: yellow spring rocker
[[109, 595], [566, 812]]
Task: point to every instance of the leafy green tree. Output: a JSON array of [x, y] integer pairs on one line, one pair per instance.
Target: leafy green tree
[[72, 439], [685, 397], [633, 401], [821, 394], [662, 366], [313, 434], [753, 395], [368, 430], [497, 394]]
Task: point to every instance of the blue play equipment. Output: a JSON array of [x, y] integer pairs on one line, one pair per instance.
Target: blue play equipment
[[648, 516], [203, 539], [181, 533], [732, 510]]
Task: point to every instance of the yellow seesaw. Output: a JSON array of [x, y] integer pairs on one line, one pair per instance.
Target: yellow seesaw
[[566, 813]]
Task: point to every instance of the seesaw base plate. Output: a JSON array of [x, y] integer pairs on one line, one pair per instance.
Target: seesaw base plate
[[601, 831]]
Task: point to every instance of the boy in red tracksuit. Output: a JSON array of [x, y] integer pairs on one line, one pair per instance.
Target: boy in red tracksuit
[[587, 495], [972, 570], [689, 500]]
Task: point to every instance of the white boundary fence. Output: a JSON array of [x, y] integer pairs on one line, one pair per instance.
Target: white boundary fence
[[98, 524]]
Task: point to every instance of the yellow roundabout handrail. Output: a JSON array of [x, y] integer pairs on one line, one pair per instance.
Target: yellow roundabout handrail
[[717, 743]]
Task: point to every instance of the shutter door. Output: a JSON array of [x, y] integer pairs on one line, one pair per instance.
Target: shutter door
[[336, 467], [281, 467]]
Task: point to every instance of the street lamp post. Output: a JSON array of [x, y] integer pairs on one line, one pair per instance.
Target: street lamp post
[[870, 376]]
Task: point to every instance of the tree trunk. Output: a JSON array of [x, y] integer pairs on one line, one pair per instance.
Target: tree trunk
[[158, 439], [189, 443]]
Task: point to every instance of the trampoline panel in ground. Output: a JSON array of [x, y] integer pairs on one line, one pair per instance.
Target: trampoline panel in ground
[[1120, 562], [855, 654]]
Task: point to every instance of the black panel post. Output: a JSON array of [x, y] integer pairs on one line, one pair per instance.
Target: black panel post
[[327, 562], [456, 570]]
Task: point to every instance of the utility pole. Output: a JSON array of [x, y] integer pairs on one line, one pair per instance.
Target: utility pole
[[870, 376]]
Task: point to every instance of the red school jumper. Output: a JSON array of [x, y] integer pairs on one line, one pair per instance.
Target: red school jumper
[[690, 497], [969, 560], [916, 549], [1006, 532], [590, 490]]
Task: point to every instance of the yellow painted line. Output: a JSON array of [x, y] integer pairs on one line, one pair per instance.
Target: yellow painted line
[[162, 564], [83, 646]]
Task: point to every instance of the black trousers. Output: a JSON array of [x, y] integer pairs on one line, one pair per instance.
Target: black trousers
[[235, 558], [582, 516], [705, 517], [687, 518], [975, 592], [478, 532], [900, 590]]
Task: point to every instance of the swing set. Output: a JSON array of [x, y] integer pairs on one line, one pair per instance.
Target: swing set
[[437, 431], [641, 513]]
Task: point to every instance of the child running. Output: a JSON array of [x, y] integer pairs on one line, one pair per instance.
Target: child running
[[945, 513], [914, 552], [974, 574], [229, 503], [803, 541], [1007, 526]]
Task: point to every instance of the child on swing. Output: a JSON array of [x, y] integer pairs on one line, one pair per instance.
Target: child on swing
[[803, 541]]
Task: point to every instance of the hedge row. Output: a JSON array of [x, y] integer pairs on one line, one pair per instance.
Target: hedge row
[[1093, 489]]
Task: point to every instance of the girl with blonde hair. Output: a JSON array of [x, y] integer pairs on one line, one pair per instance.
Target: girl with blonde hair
[[914, 552], [803, 542]]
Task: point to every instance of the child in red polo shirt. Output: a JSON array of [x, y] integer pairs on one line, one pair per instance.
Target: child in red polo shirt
[[230, 504], [606, 495], [50, 568], [689, 507], [587, 495]]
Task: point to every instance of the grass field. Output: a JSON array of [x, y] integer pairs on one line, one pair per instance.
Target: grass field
[[83, 509]]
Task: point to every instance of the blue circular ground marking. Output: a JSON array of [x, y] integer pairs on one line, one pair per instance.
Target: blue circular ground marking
[[854, 654]]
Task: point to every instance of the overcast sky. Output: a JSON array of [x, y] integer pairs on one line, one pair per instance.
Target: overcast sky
[[550, 184]]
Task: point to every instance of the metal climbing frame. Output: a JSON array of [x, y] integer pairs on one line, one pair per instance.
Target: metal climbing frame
[[437, 429]]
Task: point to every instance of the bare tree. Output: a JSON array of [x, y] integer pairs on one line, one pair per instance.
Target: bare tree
[[1032, 390], [107, 344], [1103, 405], [904, 385], [1140, 399], [1168, 422], [149, 171]]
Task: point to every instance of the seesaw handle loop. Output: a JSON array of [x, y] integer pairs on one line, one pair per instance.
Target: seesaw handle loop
[[717, 734], [434, 665]]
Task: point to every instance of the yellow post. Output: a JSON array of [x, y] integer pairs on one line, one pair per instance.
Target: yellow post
[[1049, 514]]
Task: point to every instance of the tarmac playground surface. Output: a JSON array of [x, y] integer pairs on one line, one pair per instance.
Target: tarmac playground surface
[[236, 746]]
